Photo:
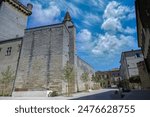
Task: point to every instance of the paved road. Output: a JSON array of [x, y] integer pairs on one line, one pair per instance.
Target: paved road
[[99, 96], [102, 94], [138, 95], [109, 95]]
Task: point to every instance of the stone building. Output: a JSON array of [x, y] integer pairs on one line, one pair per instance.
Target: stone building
[[13, 15], [104, 78], [9, 57], [109, 78], [37, 56], [129, 60], [144, 76], [142, 8], [13, 20], [115, 76]]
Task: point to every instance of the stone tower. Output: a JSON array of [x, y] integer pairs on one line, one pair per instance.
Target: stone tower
[[45, 52], [72, 50], [72, 47], [13, 18]]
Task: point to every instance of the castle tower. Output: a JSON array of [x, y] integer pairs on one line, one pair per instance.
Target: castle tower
[[72, 46], [13, 18], [45, 51]]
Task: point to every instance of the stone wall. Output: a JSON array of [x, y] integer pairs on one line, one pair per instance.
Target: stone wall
[[40, 63], [132, 65], [12, 22], [129, 60], [72, 50], [123, 68], [9, 59], [83, 67], [144, 76], [43, 56]]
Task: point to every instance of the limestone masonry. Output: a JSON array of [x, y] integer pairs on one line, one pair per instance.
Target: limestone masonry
[[37, 56]]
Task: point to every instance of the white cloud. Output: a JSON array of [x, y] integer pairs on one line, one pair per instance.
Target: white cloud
[[25, 2], [46, 15], [85, 40], [116, 10], [87, 22], [74, 10], [84, 35], [130, 30], [42, 15], [79, 1], [49, 11], [112, 24], [91, 19], [103, 45], [111, 44], [98, 3], [113, 16], [131, 15]]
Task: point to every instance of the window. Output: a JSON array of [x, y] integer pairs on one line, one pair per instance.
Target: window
[[8, 52]]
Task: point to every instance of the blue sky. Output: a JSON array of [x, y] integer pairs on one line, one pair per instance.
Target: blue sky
[[105, 28]]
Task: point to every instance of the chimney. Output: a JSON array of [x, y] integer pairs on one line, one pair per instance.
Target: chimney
[[29, 6]]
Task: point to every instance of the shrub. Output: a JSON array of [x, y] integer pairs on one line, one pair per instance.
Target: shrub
[[53, 94]]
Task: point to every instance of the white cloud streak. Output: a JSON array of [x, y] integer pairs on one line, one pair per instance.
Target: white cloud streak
[[112, 24], [45, 15], [113, 16], [109, 44], [84, 35], [91, 19]]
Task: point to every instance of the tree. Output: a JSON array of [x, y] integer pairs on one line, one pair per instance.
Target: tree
[[101, 82], [85, 79], [135, 79], [7, 78], [124, 84], [69, 77], [96, 79]]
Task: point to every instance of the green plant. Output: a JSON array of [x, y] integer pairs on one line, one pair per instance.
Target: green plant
[[68, 76], [85, 79], [124, 84], [7, 78], [101, 81], [53, 94], [135, 79]]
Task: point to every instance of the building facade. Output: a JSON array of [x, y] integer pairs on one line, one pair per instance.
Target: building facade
[[129, 60], [142, 8], [13, 16], [38, 58], [144, 76], [104, 78], [115, 76], [9, 57], [109, 78]]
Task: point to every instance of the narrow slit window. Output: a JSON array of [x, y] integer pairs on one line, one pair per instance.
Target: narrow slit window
[[8, 52]]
